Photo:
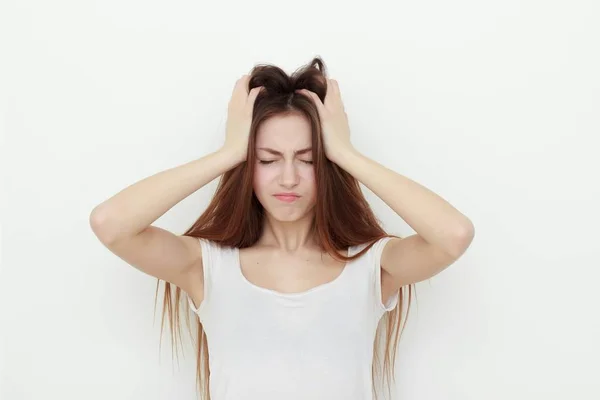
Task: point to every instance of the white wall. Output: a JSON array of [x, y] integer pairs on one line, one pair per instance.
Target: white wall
[[493, 105]]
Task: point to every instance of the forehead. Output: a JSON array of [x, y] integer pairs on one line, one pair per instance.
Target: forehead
[[284, 132]]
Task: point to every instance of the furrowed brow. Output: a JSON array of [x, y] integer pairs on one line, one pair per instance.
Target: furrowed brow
[[278, 153]]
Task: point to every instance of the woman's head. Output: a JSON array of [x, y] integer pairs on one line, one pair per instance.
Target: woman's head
[[285, 150], [284, 166], [286, 154]]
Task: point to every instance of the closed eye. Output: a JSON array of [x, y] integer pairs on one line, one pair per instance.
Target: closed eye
[[272, 161]]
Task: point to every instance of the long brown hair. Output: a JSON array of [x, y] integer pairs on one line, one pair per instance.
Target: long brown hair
[[234, 217]]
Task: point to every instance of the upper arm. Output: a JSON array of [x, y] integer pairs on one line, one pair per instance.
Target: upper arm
[[411, 260], [164, 255]]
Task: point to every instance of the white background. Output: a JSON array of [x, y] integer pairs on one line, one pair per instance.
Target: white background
[[492, 105]]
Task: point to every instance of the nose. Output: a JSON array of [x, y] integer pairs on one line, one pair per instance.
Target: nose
[[289, 175]]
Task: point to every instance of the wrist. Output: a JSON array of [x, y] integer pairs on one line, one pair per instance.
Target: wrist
[[235, 155], [341, 156]]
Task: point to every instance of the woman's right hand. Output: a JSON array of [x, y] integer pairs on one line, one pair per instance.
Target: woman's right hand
[[239, 118]]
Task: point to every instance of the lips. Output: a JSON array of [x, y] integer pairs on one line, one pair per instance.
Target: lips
[[287, 197]]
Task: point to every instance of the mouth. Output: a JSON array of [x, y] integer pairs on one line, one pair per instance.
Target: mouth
[[287, 198]]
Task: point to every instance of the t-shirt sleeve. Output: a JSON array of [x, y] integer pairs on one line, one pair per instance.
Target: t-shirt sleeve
[[209, 258], [375, 260]]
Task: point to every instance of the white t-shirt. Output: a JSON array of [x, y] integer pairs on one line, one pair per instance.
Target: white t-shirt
[[267, 345]]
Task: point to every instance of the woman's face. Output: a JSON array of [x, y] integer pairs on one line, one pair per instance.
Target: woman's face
[[284, 166]]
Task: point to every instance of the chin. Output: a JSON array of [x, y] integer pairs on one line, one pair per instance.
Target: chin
[[288, 215]]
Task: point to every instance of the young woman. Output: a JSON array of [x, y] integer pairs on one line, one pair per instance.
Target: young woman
[[288, 270]]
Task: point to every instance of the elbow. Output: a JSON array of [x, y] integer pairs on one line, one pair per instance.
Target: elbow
[[100, 225], [462, 239]]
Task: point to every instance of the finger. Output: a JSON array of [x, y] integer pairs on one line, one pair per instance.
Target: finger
[[245, 79], [320, 106], [240, 90], [253, 94], [336, 88], [339, 94], [330, 95], [238, 83]]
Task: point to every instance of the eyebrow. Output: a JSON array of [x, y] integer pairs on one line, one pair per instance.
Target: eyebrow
[[278, 153]]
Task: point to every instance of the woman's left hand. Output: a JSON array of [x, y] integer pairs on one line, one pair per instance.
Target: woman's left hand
[[334, 120]]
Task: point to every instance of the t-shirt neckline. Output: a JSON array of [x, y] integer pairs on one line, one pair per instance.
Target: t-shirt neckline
[[318, 288]]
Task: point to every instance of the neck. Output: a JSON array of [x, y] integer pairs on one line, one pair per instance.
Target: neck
[[289, 236]]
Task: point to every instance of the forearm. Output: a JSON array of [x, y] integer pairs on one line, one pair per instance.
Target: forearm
[[432, 217], [136, 207]]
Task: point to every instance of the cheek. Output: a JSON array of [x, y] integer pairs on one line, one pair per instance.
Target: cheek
[[308, 175], [309, 182], [257, 181], [262, 176]]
